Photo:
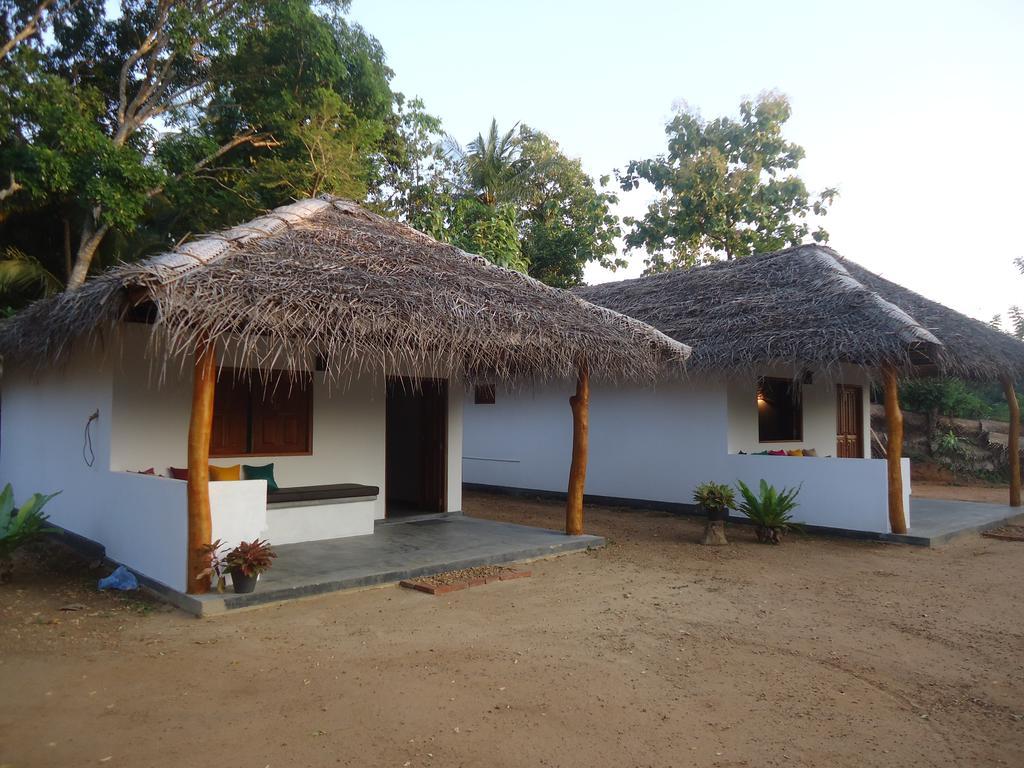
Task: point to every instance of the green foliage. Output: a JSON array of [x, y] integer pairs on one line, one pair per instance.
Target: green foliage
[[28, 523], [251, 557], [565, 219], [726, 188], [233, 107], [714, 496], [23, 274], [953, 449], [943, 397], [492, 166], [770, 509], [562, 221]]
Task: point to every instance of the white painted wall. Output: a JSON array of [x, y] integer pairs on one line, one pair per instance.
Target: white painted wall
[[151, 426], [140, 520], [143, 422], [658, 445], [819, 413]]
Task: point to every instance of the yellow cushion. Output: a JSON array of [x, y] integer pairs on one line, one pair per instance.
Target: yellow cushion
[[226, 473], [797, 452]]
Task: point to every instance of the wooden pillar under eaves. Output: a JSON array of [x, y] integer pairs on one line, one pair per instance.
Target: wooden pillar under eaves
[[580, 403], [200, 428], [1013, 445], [894, 450]]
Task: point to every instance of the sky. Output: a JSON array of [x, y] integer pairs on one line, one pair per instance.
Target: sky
[[913, 110]]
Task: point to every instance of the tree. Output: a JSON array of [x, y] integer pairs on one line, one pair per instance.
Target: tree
[[492, 166], [521, 184], [565, 220], [726, 189], [176, 116]]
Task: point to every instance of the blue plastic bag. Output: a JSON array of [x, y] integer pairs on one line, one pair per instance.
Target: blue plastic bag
[[122, 578]]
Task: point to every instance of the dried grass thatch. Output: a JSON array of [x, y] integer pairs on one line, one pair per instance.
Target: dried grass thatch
[[808, 307], [363, 294]]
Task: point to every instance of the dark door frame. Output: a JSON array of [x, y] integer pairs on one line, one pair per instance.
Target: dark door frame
[[414, 384]]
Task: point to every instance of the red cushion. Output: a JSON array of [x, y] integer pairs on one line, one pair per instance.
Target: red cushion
[[179, 474], [770, 453], [149, 471]]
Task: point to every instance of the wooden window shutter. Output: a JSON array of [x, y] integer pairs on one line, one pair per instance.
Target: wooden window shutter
[[281, 417], [230, 435]]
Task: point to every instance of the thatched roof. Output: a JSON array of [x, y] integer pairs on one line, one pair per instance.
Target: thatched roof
[[362, 293], [809, 307]]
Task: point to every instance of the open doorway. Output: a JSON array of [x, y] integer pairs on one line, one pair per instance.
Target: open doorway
[[416, 466]]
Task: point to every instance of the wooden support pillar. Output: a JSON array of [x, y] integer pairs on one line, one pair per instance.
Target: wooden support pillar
[[1013, 446], [580, 403], [199, 429], [894, 449]]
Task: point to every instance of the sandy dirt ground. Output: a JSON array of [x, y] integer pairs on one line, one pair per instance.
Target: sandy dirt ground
[[654, 651], [991, 494]]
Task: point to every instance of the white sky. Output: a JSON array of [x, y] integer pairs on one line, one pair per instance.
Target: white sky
[[912, 109]]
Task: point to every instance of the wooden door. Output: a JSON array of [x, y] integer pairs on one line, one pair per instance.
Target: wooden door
[[850, 423], [416, 463]]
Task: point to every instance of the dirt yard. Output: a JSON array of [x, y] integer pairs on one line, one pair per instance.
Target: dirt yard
[[991, 494], [652, 652]]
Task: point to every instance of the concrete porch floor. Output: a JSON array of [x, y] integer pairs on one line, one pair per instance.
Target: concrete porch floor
[[395, 551], [936, 521]]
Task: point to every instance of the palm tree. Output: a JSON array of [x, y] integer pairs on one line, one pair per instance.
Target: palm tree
[[492, 165], [23, 276]]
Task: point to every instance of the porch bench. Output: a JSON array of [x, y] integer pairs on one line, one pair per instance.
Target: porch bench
[[316, 494]]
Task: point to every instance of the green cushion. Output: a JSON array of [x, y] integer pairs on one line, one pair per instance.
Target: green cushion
[[266, 472]]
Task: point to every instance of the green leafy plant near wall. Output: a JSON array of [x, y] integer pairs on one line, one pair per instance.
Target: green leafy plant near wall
[[770, 510], [20, 526], [716, 499]]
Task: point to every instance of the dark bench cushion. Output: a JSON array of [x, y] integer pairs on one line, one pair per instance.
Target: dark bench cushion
[[321, 492]]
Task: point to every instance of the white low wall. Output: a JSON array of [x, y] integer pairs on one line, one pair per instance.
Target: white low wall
[[657, 445], [238, 510], [852, 494]]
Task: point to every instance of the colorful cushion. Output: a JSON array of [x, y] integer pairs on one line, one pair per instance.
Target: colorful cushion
[[179, 474], [264, 472], [810, 452], [776, 453], [797, 452], [234, 472]]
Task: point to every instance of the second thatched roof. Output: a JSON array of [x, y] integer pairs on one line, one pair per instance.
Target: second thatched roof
[[326, 279], [809, 307]]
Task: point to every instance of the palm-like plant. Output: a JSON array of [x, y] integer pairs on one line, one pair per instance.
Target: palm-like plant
[[769, 510], [493, 167], [20, 272], [20, 526]]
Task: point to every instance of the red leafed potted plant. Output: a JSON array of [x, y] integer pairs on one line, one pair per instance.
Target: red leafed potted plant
[[247, 561]]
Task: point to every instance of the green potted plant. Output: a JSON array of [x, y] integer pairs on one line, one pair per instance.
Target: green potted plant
[[769, 510], [246, 562], [19, 526], [714, 500]]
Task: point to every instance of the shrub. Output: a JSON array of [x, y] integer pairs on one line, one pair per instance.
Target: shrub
[[770, 510], [251, 557], [714, 497], [20, 526]]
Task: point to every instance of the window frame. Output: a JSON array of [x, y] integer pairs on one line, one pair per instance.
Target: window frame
[[798, 402], [256, 384]]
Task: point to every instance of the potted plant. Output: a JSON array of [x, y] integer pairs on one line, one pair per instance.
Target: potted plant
[[215, 563], [769, 510], [246, 562], [714, 500]]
